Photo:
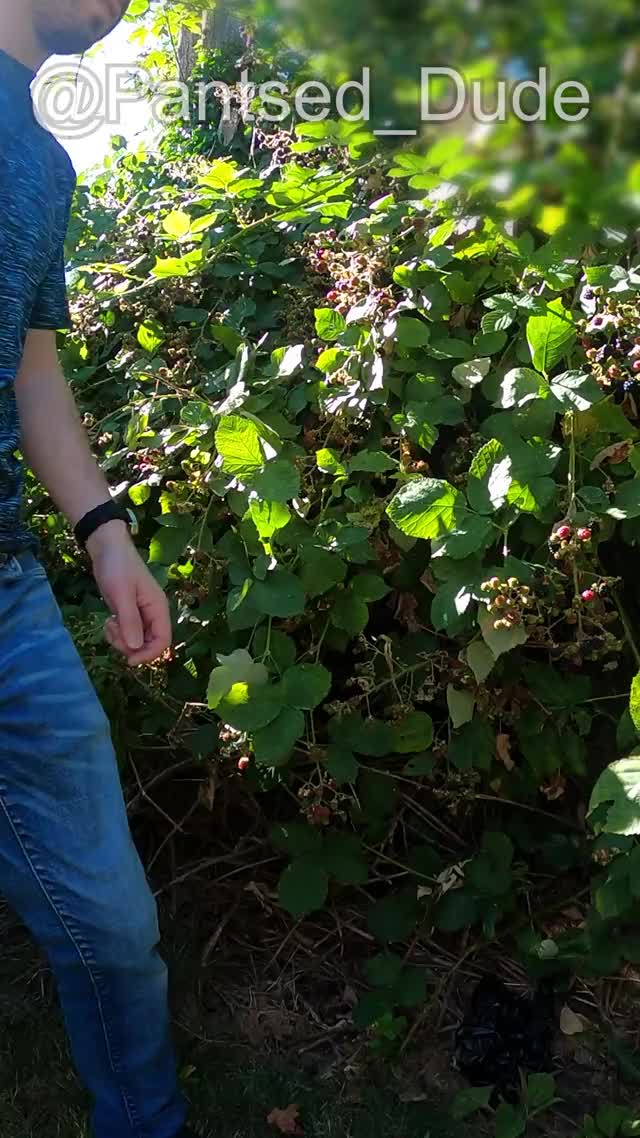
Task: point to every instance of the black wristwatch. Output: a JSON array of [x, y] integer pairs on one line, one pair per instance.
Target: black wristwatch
[[110, 511]]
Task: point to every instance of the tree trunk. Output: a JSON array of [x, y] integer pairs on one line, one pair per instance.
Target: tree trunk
[[221, 31]]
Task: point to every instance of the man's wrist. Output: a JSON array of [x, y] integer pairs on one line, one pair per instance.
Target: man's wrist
[[113, 533], [100, 517]]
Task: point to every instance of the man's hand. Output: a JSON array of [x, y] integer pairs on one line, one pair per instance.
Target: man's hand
[[140, 627]]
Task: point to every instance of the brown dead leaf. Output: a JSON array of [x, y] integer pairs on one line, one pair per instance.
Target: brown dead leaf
[[614, 454], [286, 1121], [406, 606], [555, 788], [503, 751]]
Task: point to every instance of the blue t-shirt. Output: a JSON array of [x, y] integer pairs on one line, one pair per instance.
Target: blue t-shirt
[[37, 182]]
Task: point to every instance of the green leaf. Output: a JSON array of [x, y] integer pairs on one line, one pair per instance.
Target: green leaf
[[296, 838], [413, 733], [473, 746], [500, 640], [364, 736], [350, 613], [369, 587], [280, 594], [461, 706], [151, 335], [238, 668], [329, 324], [618, 789], [576, 391], [634, 702], [412, 333], [476, 532], [321, 571], [371, 462], [289, 360], [626, 503], [168, 543], [274, 744], [511, 1121], [480, 659], [457, 910], [541, 1091], [395, 917], [471, 373], [490, 478], [469, 1101], [550, 337], [250, 707], [238, 442], [278, 481], [177, 223], [329, 462], [342, 764], [344, 859], [303, 888], [426, 508], [519, 386], [385, 970], [306, 685], [269, 517]]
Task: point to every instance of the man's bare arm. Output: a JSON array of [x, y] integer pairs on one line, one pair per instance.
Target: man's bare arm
[[56, 448]]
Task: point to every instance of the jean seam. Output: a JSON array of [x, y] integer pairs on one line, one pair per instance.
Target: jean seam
[[84, 955]]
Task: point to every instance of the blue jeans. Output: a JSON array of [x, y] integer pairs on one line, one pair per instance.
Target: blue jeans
[[69, 867]]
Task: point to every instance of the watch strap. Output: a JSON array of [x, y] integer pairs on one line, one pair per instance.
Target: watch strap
[[107, 512]]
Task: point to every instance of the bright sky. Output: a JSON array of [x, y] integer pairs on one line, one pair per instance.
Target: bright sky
[[134, 117]]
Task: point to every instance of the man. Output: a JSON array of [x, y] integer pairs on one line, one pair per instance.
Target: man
[[67, 861]]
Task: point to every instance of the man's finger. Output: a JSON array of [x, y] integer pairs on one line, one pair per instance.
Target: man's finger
[[129, 620]]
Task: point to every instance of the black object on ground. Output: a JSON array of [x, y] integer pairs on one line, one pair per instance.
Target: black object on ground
[[504, 1034]]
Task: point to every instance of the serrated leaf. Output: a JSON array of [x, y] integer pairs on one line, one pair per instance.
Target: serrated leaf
[[471, 373], [249, 707], [303, 888], [412, 333], [541, 1091], [618, 790], [576, 391], [550, 337], [500, 640], [469, 1101], [280, 594], [519, 386], [306, 685], [490, 478], [626, 503], [238, 442], [480, 659], [269, 517], [341, 764], [274, 744], [461, 705], [395, 917], [177, 223], [413, 733], [634, 702], [238, 667], [426, 508], [511, 1121], [329, 324]]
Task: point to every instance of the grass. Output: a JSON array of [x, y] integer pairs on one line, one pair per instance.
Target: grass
[[40, 1097]]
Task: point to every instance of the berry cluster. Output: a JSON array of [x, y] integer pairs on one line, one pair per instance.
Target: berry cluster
[[357, 273], [612, 345], [510, 602], [568, 541], [322, 803]]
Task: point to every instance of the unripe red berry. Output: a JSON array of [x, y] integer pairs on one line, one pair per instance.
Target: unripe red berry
[[585, 534], [564, 532], [588, 596], [332, 294], [243, 764], [636, 365]]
